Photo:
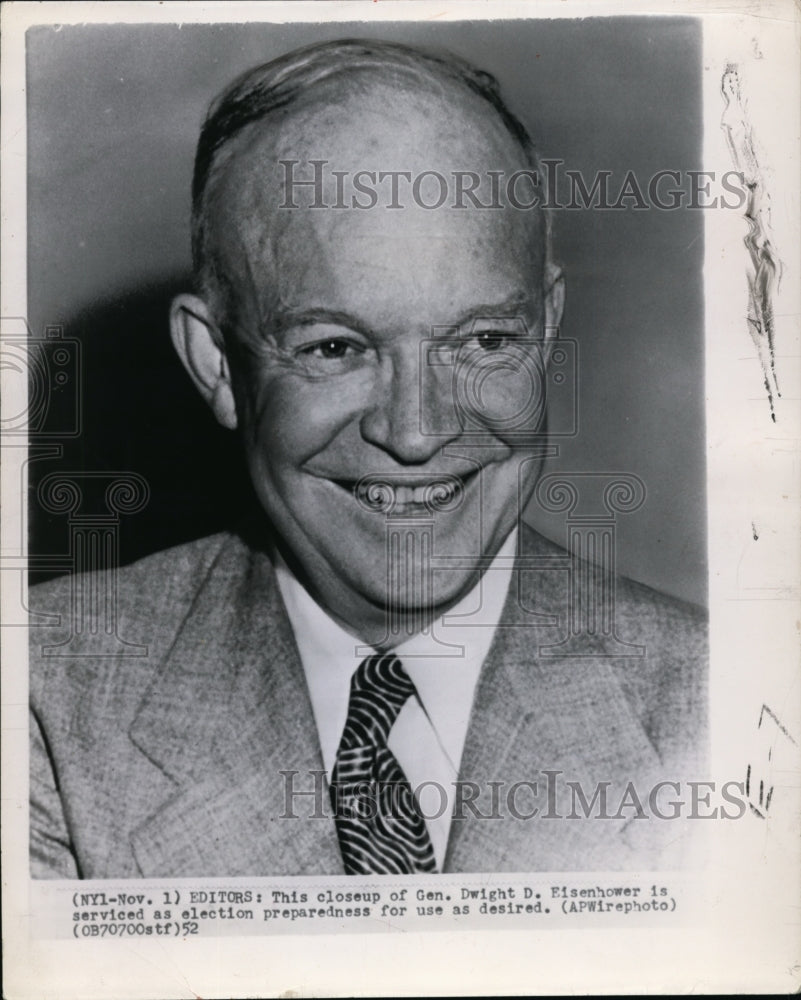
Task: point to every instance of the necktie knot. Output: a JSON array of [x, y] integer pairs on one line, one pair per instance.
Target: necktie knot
[[378, 691]]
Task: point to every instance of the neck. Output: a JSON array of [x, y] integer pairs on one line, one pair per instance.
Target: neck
[[386, 625]]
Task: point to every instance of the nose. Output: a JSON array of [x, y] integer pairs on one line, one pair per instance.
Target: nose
[[411, 415]]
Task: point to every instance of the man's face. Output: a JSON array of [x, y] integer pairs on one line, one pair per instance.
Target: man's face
[[384, 377]]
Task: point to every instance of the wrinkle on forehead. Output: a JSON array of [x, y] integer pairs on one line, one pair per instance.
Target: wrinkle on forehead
[[375, 127]]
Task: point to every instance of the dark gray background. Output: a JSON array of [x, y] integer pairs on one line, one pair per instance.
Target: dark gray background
[[114, 113]]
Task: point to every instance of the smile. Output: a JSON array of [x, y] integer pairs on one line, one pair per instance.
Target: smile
[[398, 494]]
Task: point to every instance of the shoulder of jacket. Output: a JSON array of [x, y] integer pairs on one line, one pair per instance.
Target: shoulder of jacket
[[638, 607], [186, 559], [664, 676], [121, 619], [667, 684]]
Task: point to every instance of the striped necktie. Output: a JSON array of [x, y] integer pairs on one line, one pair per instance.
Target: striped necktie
[[381, 830]]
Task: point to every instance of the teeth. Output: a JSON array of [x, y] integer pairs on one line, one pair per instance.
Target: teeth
[[378, 494], [405, 495]]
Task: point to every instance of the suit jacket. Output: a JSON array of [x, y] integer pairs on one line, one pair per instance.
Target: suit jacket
[[183, 761]]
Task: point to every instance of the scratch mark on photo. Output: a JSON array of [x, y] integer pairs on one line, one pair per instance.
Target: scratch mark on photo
[[764, 272]]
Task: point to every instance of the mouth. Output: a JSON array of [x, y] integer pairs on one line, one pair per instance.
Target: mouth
[[398, 494]]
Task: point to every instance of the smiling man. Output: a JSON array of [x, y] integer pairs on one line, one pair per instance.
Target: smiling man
[[365, 681], [313, 320]]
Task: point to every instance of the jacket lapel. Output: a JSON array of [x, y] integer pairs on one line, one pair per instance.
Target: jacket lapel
[[535, 714], [228, 713]]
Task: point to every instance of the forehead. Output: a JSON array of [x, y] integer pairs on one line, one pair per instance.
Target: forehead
[[378, 134]]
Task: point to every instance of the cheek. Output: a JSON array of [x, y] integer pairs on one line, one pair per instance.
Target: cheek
[[294, 419], [505, 392]]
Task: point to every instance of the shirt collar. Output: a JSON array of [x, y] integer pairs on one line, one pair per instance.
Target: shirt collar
[[444, 662]]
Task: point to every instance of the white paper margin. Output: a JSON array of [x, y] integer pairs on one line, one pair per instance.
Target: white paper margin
[[748, 937]]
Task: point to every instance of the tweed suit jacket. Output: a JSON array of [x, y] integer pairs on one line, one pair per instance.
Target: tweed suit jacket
[[181, 761]]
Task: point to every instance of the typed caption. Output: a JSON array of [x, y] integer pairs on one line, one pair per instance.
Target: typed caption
[[99, 911]]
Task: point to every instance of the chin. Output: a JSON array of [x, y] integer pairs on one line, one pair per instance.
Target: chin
[[419, 597]]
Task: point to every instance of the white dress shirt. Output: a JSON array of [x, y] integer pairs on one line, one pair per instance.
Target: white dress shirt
[[444, 663]]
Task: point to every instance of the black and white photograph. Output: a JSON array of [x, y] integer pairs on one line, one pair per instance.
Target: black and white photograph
[[384, 398]]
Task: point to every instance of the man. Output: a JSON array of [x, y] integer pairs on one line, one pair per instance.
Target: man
[[370, 679]]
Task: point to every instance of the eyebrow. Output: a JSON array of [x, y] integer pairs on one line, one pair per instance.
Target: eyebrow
[[335, 317], [308, 317], [508, 309]]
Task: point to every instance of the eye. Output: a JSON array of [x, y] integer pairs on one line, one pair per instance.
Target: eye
[[329, 350], [331, 356], [491, 340]]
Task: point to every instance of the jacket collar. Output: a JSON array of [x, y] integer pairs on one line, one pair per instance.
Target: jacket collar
[[534, 714], [223, 727]]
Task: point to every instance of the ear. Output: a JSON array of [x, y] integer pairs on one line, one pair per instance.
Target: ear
[[554, 302], [193, 330]]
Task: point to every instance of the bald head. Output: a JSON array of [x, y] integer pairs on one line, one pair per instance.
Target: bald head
[[350, 126]]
